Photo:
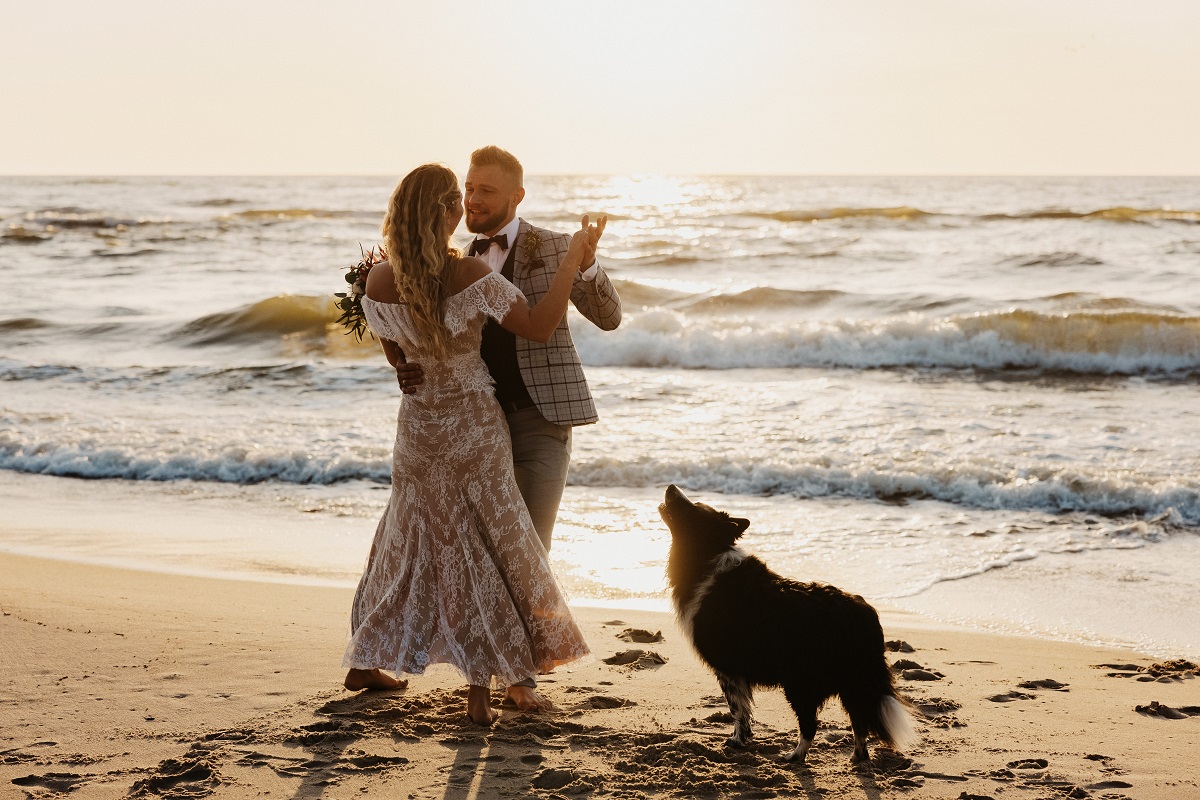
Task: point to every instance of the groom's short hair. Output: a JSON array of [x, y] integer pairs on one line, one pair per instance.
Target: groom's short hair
[[492, 156]]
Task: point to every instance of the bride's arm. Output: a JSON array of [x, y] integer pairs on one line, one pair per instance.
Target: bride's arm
[[538, 323], [381, 287]]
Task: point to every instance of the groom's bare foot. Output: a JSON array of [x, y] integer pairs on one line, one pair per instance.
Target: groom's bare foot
[[479, 705], [359, 679], [527, 699]]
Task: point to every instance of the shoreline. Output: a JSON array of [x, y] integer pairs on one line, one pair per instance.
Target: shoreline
[[119, 681], [1122, 598]]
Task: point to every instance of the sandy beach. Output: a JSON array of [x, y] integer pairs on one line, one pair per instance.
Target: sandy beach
[[121, 683]]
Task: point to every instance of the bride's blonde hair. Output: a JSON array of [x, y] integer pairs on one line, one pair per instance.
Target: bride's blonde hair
[[418, 247]]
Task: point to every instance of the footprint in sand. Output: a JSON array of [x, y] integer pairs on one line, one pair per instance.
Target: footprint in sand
[[1046, 683], [636, 659], [1164, 671], [553, 778], [639, 636], [605, 701], [912, 671], [1109, 785], [1008, 697], [184, 777], [56, 782], [899, 646], [1157, 709]]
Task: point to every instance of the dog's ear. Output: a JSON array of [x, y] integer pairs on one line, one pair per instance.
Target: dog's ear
[[741, 524]]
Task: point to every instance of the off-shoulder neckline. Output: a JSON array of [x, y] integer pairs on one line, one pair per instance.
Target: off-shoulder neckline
[[462, 291]]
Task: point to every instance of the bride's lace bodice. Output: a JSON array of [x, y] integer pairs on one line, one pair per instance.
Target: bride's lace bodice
[[465, 314]]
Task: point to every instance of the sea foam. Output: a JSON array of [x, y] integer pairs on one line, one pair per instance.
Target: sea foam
[[1113, 343], [148, 458]]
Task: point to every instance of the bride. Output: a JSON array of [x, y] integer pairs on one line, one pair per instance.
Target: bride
[[456, 572]]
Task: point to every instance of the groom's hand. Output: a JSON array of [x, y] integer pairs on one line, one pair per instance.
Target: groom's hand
[[409, 375], [594, 234]]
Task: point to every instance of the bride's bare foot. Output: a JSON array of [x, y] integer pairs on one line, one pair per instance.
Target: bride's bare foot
[[359, 679], [479, 705], [528, 699]]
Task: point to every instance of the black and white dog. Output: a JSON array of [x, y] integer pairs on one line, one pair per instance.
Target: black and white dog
[[758, 629]]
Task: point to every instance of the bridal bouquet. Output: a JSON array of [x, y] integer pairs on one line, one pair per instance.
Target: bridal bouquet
[[350, 301]]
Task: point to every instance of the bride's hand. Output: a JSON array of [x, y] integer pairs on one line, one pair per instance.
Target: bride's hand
[[582, 240], [594, 234]]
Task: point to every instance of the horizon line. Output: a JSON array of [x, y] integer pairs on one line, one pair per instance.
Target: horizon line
[[631, 174]]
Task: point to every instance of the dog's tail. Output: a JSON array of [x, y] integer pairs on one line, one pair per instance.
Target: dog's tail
[[889, 717], [896, 724]]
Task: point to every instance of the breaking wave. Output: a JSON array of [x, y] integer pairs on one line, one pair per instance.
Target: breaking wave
[[1084, 342], [977, 487], [268, 319]]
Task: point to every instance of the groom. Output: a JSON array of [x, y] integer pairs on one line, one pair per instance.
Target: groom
[[541, 387]]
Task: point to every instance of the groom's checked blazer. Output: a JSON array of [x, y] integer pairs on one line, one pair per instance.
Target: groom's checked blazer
[[552, 371]]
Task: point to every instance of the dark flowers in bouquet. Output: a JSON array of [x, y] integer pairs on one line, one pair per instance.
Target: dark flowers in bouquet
[[350, 301]]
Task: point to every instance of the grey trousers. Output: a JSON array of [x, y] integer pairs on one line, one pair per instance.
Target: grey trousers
[[541, 456]]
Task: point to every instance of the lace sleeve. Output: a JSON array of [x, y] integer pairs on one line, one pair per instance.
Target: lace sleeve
[[494, 296], [379, 324]]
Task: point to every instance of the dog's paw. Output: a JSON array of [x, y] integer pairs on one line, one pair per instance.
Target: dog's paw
[[740, 743], [796, 756]]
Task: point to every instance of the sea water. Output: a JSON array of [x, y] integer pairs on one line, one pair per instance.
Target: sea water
[[972, 398]]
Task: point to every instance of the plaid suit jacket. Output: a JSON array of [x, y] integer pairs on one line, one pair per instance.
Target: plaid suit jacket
[[552, 371]]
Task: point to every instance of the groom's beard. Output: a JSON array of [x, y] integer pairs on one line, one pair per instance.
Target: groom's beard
[[478, 224]]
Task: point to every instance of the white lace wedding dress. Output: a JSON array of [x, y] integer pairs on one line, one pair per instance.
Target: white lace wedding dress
[[456, 573]]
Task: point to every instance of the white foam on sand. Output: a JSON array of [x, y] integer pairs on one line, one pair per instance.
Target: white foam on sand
[[1143, 598]]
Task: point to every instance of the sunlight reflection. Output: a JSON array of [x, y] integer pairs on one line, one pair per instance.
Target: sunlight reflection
[[637, 196], [604, 553]]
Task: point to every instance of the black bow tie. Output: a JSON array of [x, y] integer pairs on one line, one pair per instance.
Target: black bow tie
[[481, 245]]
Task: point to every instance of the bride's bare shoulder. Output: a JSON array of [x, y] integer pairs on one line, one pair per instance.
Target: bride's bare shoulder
[[467, 271], [381, 286]]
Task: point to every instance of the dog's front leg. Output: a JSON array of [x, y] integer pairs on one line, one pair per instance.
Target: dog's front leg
[[740, 698]]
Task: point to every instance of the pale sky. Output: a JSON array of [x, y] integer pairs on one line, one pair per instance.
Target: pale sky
[[1043, 87]]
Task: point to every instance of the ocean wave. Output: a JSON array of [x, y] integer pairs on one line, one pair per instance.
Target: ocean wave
[[268, 319], [24, 324], [1092, 302], [218, 202], [267, 379], [126, 253], [292, 214], [642, 295], [763, 298], [977, 487], [903, 213], [759, 298], [233, 464], [19, 234], [1114, 214], [1055, 259], [55, 219], [1082, 342]]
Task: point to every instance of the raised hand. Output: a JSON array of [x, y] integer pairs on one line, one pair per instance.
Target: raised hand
[[580, 242], [594, 234]]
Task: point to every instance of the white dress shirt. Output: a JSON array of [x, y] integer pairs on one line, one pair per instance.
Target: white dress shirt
[[495, 257]]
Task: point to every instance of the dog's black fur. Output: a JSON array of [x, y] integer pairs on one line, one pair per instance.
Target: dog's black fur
[[758, 629]]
